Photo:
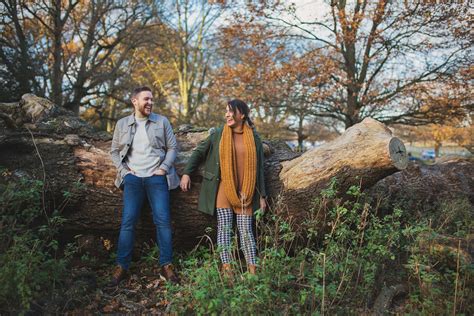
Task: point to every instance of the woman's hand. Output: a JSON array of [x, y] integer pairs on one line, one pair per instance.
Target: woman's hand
[[185, 183], [263, 204]]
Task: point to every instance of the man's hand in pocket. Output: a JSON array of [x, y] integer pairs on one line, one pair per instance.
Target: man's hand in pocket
[[160, 172]]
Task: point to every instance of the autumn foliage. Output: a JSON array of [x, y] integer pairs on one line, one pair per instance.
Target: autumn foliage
[[302, 74]]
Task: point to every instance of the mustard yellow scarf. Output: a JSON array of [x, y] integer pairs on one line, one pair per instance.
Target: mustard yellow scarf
[[228, 163]]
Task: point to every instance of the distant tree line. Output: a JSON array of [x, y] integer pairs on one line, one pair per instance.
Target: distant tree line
[[400, 62]]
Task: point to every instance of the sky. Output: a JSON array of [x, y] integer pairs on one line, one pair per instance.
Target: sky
[[311, 10]]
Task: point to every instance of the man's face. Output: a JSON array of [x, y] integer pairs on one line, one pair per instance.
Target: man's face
[[233, 119], [143, 103]]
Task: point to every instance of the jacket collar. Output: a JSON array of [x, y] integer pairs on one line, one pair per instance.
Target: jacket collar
[[131, 118]]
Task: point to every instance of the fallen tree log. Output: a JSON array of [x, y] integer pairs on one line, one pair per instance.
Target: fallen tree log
[[385, 298], [432, 190], [40, 140], [364, 154]]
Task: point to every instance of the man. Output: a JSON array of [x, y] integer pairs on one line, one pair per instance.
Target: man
[[143, 150]]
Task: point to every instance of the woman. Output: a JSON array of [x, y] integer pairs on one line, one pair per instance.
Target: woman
[[233, 180]]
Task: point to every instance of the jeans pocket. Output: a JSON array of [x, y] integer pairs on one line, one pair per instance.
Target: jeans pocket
[[161, 181], [127, 176]]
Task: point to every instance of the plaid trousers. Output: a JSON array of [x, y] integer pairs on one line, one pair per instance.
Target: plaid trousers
[[224, 234]]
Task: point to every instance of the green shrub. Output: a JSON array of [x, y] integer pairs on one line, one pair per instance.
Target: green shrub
[[440, 270], [335, 269], [29, 264], [335, 261], [28, 271]]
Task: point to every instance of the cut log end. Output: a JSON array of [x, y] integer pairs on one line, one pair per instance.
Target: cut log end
[[398, 153]]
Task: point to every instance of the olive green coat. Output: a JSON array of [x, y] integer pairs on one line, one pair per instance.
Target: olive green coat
[[208, 151]]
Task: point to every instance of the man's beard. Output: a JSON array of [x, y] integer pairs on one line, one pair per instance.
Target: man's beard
[[145, 112]]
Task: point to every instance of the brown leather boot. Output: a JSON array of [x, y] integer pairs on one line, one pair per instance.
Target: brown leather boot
[[227, 273], [227, 270], [168, 274], [117, 276], [252, 269]]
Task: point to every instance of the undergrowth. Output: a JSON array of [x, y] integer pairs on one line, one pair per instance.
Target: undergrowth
[[31, 263], [336, 260]]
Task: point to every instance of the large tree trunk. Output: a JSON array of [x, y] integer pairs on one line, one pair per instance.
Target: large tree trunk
[[72, 153], [364, 154], [441, 190]]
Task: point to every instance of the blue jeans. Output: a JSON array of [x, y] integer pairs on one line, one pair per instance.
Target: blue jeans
[[155, 188]]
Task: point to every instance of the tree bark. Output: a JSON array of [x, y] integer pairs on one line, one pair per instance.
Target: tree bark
[[440, 190], [362, 155], [73, 153]]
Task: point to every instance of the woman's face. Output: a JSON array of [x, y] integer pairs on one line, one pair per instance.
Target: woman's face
[[233, 119]]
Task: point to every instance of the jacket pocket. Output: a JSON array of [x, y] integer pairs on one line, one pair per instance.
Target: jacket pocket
[[157, 136], [124, 137], [208, 175]]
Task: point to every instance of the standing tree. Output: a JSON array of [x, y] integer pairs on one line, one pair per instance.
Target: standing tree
[[178, 58], [53, 18], [383, 49], [305, 84], [455, 96], [283, 86], [75, 41], [20, 59], [252, 58]]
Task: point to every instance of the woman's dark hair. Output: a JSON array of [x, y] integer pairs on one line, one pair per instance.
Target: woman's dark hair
[[243, 108]]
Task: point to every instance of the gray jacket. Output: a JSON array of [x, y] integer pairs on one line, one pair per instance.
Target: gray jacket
[[161, 137]]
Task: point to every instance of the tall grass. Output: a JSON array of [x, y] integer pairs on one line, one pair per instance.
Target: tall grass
[[336, 260]]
